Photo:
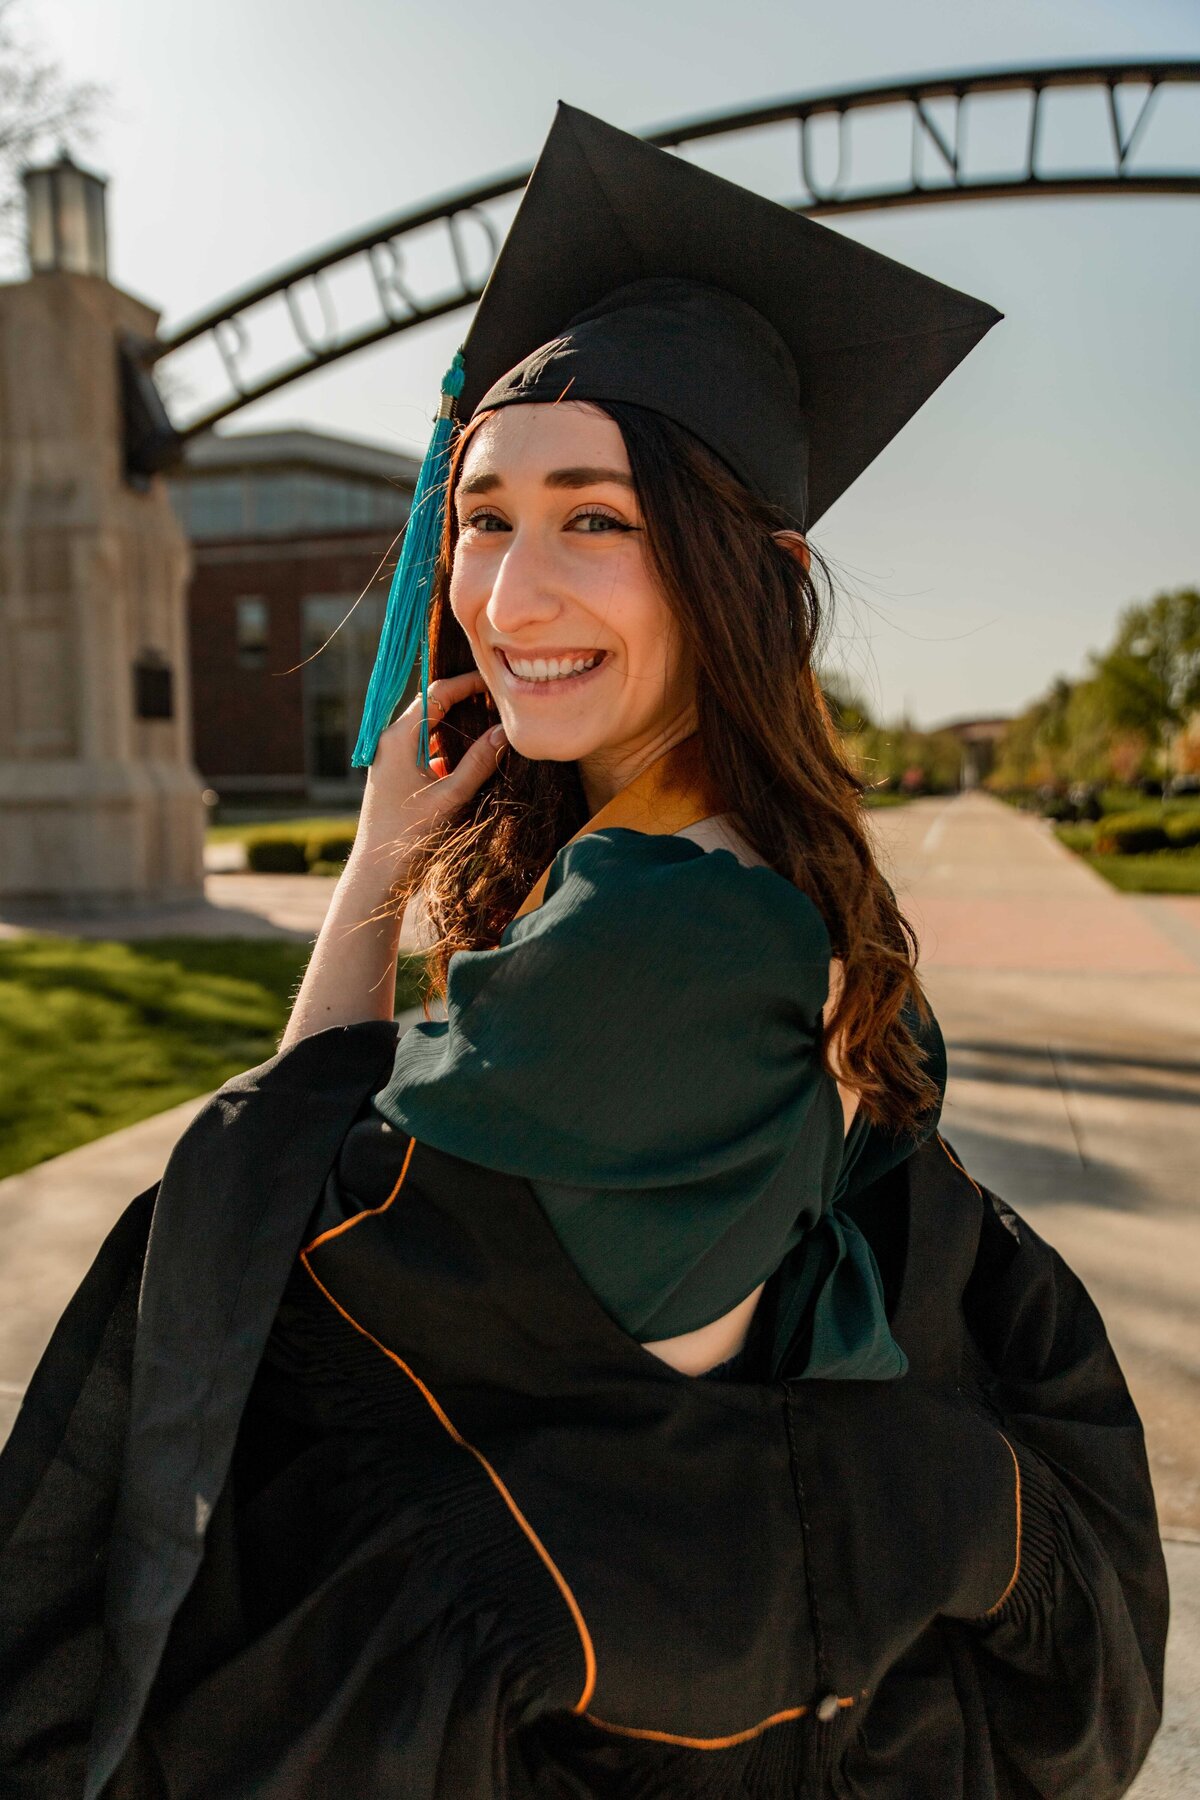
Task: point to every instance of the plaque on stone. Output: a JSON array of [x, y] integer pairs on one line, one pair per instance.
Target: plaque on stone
[[153, 687]]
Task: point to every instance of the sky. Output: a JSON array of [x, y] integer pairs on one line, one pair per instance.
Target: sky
[[1050, 483]]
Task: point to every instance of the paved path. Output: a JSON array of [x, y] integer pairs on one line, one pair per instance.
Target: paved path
[[1072, 1015], [1073, 1019], [235, 904]]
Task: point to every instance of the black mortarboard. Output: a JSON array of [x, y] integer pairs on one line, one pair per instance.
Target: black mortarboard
[[631, 275], [790, 350]]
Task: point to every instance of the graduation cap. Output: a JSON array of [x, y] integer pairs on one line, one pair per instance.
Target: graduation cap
[[628, 274]]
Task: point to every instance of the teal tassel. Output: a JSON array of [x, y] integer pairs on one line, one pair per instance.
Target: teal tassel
[[406, 620]]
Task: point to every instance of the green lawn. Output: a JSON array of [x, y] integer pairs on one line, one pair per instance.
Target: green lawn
[[281, 825], [94, 1036], [1165, 872], [1157, 872]]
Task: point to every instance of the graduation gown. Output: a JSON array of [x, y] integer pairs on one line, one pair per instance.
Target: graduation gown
[[586, 1574]]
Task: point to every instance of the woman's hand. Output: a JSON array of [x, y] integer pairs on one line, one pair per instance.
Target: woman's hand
[[352, 975], [402, 803]]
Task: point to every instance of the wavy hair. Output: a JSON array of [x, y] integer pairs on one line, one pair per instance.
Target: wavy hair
[[772, 758]]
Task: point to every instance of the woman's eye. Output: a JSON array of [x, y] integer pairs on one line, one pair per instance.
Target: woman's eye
[[482, 521], [593, 522]]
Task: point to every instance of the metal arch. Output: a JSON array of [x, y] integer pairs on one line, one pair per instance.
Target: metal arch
[[399, 304]]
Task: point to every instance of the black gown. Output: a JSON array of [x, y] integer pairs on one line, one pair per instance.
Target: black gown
[[349, 1547]]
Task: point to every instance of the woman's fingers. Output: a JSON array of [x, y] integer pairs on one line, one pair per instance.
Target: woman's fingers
[[477, 764], [444, 693], [399, 743]]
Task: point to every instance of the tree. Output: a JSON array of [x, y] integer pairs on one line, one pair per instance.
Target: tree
[[847, 708], [893, 756], [1150, 678], [40, 111]]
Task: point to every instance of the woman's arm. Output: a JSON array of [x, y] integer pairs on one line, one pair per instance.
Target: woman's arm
[[1071, 1663], [999, 1491], [352, 974]]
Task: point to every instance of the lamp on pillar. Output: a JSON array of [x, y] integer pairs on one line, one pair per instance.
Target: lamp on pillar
[[64, 210]]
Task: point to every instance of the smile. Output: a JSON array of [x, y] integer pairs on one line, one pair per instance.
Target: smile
[[526, 673]]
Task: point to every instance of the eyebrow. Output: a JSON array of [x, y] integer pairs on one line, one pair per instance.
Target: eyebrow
[[487, 479]]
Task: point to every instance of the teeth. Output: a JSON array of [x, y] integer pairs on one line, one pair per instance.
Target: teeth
[[554, 668]]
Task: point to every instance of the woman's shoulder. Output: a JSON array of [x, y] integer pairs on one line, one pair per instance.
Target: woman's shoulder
[[718, 832], [693, 892]]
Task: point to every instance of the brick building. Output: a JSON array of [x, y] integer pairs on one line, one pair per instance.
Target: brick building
[[287, 529]]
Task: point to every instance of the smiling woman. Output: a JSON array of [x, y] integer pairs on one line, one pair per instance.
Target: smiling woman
[[555, 590], [615, 1386]]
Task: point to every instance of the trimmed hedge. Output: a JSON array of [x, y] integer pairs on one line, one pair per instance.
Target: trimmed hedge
[[1183, 829], [1130, 834], [276, 851], [330, 848], [276, 856]]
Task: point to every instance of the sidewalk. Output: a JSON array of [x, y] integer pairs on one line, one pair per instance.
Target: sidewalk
[[1072, 1016], [235, 905], [1073, 1022]]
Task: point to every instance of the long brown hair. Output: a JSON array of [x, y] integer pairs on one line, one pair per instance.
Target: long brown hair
[[753, 618]]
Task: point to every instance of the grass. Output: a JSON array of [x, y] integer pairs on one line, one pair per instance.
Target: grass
[[278, 826], [1157, 872], [97, 1035], [1164, 872], [1078, 838]]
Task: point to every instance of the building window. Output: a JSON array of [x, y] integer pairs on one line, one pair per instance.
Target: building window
[[214, 506], [273, 500], [329, 738], [252, 632], [274, 503], [339, 636], [389, 506]]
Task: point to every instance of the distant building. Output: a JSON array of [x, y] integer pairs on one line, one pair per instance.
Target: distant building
[[287, 530], [980, 740]]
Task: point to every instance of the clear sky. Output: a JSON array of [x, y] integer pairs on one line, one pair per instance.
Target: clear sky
[[1051, 482]]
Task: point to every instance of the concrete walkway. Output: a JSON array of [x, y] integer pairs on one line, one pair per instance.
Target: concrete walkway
[[1073, 1021], [235, 905], [1072, 1014]]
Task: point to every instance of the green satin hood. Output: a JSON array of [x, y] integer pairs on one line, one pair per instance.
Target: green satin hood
[[644, 1049]]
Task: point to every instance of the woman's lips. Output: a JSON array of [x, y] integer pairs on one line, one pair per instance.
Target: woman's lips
[[520, 684]]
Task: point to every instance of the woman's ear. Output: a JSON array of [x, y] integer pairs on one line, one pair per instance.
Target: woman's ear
[[796, 544]]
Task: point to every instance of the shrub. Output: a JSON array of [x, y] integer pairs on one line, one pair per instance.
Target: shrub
[[1075, 837], [1130, 834], [271, 854], [1183, 829], [332, 847]]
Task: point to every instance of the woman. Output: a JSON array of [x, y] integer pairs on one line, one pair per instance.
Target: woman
[[617, 1387]]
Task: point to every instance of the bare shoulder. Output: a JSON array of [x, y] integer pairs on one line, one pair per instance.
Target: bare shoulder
[[718, 832]]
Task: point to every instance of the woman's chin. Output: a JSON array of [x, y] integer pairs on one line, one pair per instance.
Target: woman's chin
[[544, 740]]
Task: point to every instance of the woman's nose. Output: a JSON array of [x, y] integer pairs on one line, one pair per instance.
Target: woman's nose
[[524, 591]]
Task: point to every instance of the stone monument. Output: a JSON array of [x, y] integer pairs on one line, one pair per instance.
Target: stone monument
[[100, 806]]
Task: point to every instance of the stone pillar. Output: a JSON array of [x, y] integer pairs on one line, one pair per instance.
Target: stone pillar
[[99, 803]]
